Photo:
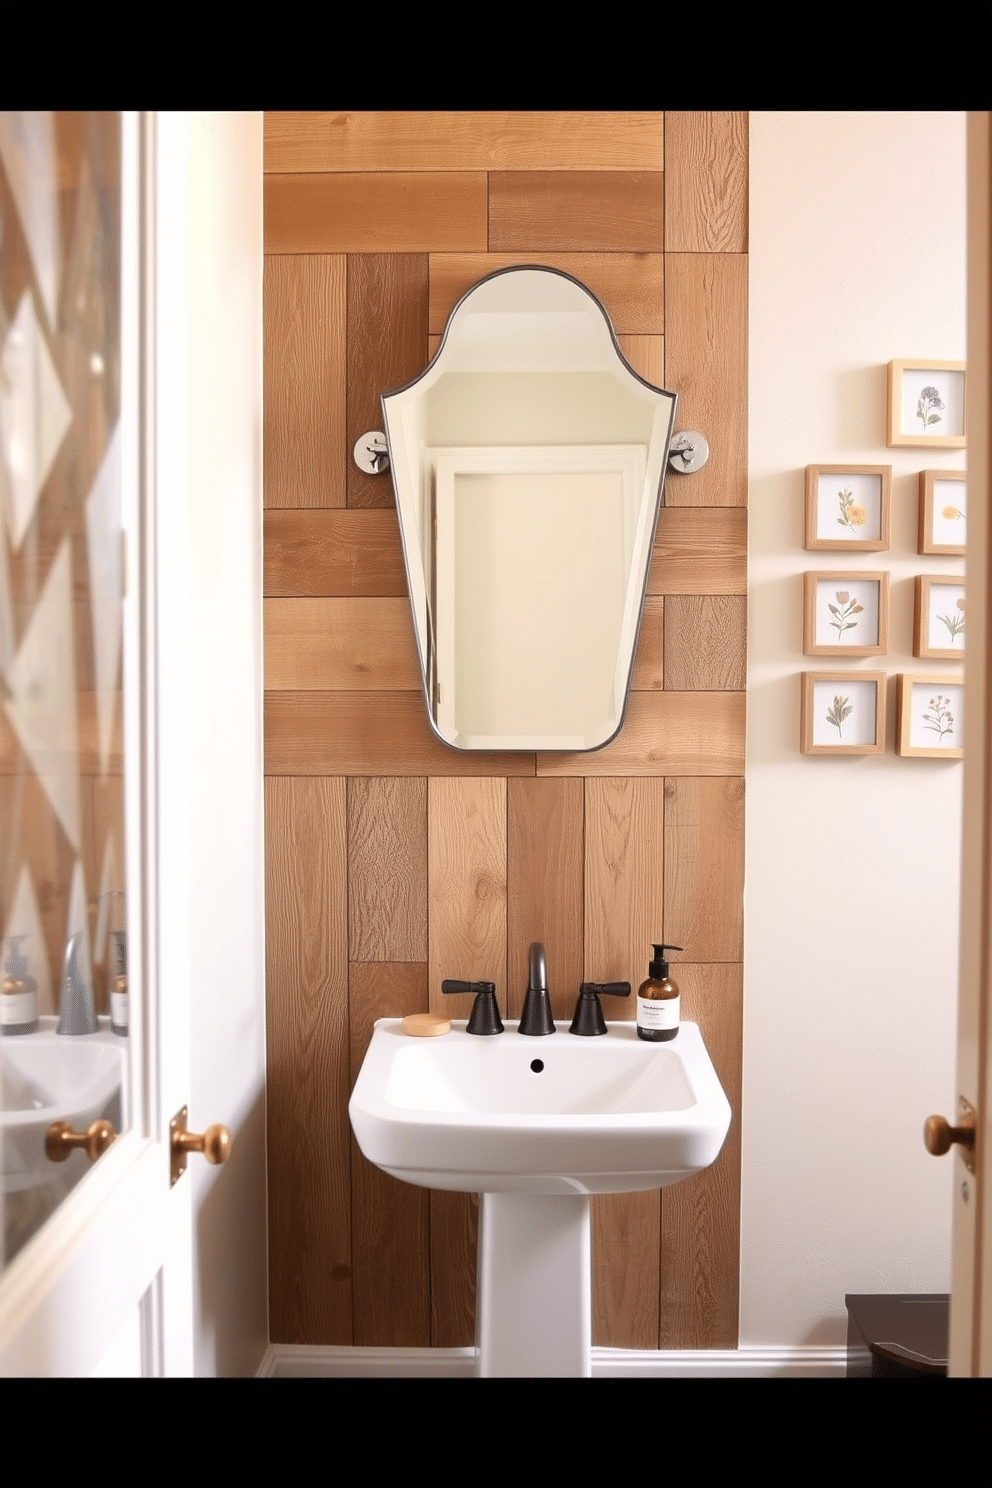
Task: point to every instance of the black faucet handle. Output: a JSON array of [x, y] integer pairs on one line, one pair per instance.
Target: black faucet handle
[[588, 1021], [485, 1017]]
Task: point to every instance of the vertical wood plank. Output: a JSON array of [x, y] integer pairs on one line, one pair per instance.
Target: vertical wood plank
[[389, 1219], [304, 405], [466, 836], [544, 887], [706, 182], [700, 1218], [706, 642], [704, 863], [467, 907], [706, 360], [309, 1144], [387, 869], [624, 878], [648, 673], [387, 347]]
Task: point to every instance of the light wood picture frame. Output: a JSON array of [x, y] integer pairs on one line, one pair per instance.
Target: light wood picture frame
[[939, 620], [845, 613], [943, 512], [925, 403], [847, 507], [842, 713], [930, 715]]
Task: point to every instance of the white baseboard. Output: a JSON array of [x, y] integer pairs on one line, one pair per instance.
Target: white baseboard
[[301, 1361]]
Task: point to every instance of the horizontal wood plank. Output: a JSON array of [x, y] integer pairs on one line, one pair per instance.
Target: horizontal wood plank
[[706, 182], [430, 140], [331, 645], [666, 733], [576, 211], [392, 212], [369, 733], [699, 550], [332, 553], [630, 285]]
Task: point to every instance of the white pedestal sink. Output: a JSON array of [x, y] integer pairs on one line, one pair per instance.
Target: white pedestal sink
[[535, 1126]]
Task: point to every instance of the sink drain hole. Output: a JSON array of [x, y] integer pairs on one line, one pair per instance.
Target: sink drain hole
[[537, 1065]]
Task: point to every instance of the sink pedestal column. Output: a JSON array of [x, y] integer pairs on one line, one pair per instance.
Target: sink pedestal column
[[534, 1286]]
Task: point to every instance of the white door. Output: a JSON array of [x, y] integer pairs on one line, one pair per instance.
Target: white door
[[129, 1254], [971, 1286]]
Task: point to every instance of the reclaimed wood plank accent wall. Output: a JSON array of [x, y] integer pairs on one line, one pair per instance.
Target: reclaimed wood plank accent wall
[[392, 861]]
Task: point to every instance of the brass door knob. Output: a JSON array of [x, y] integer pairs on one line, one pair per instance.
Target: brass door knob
[[61, 1140], [939, 1136], [215, 1143]]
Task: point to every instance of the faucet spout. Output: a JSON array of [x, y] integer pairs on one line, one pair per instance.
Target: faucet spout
[[537, 1018], [77, 1014]]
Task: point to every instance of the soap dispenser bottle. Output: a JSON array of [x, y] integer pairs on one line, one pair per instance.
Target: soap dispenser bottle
[[658, 1001], [119, 1009], [19, 997]]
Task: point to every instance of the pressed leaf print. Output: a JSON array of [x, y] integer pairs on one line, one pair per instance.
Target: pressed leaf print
[[938, 718], [952, 514], [926, 408], [954, 621], [843, 612], [838, 712], [852, 516]]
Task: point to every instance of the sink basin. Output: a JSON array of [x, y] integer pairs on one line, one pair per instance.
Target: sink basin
[[610, 1114], [536, 1126], [46, 1077]]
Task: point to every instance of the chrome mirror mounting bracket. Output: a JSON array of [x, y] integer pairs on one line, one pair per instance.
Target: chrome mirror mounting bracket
[[688, 452], [371, 453]]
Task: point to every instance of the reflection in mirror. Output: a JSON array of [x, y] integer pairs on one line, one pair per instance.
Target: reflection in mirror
[[528, 462], [62, 917]]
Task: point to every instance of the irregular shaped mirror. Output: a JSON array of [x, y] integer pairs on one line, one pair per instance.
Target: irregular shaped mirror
[[528, 461]]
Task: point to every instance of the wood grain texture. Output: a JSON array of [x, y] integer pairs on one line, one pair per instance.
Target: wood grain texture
[[544, 887], [646, 354], [387, 870], [704, 862], [666, 733], [624, 897], [387, 347], [309, 1144], [624, 881], [339, 645], [304, 365], [630, 285], [464, 140], [576, 211], [368, 733], [700, 1218], [370, 212], [706, 361], [699, 550], [706, 187], [87, 759], [454, 1247], [466, 837], [626, 1270], [706, 642], [389, 1219], [332, 552], [648, 674]]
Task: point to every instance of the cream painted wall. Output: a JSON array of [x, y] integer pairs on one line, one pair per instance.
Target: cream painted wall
[[857, 256]]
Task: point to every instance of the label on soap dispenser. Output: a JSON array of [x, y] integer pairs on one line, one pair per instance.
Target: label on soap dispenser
[[118, 1011], [658, 1012], [18, 1008]]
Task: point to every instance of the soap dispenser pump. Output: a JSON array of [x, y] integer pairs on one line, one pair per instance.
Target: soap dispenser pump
[[658, 1001], [19, 998]]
